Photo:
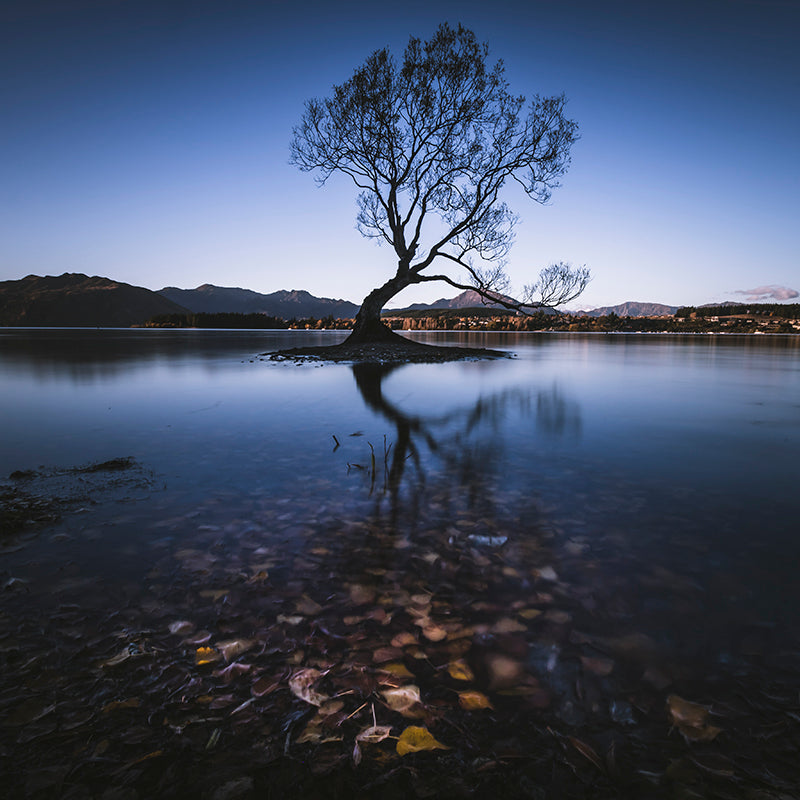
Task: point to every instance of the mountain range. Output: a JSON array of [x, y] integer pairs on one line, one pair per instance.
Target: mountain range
[[77, 300], [471, 299], [631, 309], [294, 304]]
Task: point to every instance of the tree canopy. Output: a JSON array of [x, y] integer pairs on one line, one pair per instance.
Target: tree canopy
[[430, 144]]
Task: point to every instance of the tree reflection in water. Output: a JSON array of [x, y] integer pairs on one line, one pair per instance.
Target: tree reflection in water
[[464, 447]]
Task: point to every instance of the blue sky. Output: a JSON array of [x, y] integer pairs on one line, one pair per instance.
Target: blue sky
[[149, 142]]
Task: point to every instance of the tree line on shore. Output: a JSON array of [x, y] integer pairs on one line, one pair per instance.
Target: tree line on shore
[[780, 310], [767, 318]]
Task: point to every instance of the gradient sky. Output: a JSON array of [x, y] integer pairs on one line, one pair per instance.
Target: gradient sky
[[149, 142]]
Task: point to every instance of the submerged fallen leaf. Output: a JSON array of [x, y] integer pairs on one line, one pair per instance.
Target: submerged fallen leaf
[[684, 712], [362, 595], [374, 734], [397, 668], [311, 733], [404, 700], [383, 654], [234, 647], [472, 701], [707, 733], [201, 637], [206, 655], [460, 671], [305, 605], [547, 574], [504, 672], [415, 739], [691, 719], [181, 626], [508, 625], [302, 686], [434, 633], [231, 671], [404, 639], [295, 619], [331, 707]]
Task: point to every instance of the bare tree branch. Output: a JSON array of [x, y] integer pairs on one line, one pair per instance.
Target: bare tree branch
[[430, 143]]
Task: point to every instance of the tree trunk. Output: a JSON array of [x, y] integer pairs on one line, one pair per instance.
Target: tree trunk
[[368, 326]]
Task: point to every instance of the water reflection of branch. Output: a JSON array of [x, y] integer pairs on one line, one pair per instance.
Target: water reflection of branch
[[555, 414], [466, 440]]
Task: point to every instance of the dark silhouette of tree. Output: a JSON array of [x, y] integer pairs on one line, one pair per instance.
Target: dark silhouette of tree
[[430, 144]]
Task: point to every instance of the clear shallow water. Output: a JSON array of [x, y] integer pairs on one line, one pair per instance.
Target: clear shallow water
[[654, 436], [625, 486]]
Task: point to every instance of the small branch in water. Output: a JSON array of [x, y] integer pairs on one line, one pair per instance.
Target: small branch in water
[[372, 467], [354, 713], [337, 442]]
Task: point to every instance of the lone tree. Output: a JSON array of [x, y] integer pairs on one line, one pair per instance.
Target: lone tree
[[430, 144]]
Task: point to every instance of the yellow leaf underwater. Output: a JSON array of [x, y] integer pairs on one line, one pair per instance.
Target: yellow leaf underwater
[[472, 701], [206, 655], [414, 739], [460, 671], [397, 668]]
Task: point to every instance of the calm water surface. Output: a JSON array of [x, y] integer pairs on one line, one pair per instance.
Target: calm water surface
[[655, 437], [648, 485]]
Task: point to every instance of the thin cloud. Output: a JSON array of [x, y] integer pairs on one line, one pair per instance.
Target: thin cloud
[[762, 293]]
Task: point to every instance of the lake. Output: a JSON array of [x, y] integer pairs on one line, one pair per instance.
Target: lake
[[596, 530]]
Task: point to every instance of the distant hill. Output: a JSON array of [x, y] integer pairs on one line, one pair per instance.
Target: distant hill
[[77, 300], [631, 309], [210, 299], [467, 299]]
